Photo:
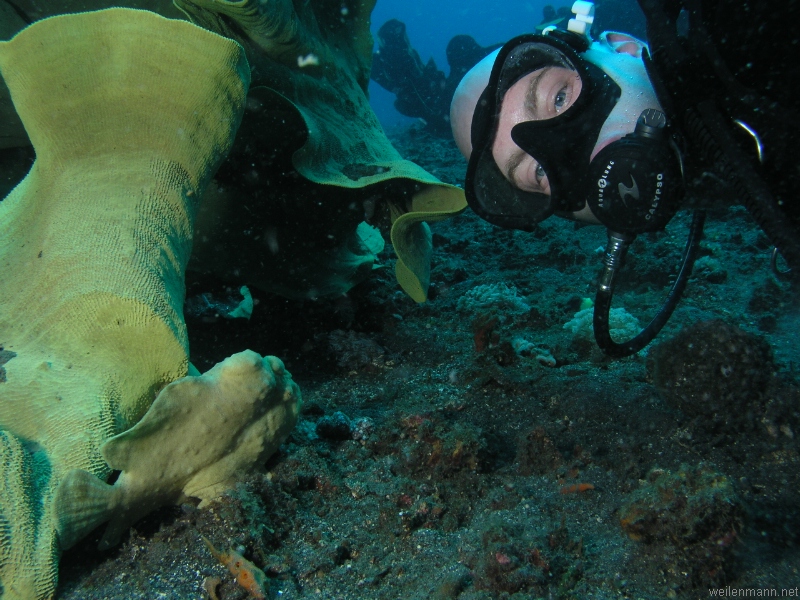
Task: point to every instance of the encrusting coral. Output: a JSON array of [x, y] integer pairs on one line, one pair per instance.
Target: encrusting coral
[[130, 114]]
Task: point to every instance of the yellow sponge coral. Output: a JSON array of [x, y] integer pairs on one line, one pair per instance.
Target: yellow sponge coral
[[130, 114]]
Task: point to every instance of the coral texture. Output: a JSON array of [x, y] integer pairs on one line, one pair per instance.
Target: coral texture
[[94, 243]]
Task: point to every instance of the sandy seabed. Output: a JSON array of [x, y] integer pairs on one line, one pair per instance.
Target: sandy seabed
[[476, 449]]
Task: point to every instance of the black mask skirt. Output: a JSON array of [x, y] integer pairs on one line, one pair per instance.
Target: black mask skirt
[[561, 145]]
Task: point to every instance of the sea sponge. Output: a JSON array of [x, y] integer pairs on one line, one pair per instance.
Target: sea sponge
[[12, 132], [24, 12], [715, 373], [494, 298], [130, 114], [622, 324], [311, 64]]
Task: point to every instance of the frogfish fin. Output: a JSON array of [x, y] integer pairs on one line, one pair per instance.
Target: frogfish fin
[[82, 503]]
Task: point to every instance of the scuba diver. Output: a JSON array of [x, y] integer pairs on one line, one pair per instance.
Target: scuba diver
[[610, 130]]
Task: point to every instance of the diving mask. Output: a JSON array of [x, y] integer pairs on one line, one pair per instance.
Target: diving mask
[[633, 185]]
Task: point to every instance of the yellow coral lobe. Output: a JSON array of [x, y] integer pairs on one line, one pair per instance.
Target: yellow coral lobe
[[126, 111]]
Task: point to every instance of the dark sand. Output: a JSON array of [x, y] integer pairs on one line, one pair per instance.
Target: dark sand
[[432, 460]]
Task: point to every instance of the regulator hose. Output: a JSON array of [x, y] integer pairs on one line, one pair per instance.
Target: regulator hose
[[613, 259]]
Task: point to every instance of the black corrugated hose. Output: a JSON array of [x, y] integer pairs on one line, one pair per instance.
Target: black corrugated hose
[[605, 293]]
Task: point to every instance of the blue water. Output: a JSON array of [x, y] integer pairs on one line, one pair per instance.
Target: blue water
[[430, 25]]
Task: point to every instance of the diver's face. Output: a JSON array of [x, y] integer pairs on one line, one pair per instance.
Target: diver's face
[[545, 93], [542, 94]]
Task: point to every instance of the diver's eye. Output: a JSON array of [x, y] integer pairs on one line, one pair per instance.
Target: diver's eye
[[561, 98], [540, 174]]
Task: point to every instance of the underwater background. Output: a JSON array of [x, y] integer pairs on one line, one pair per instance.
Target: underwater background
[[431, 25], [479, 445]]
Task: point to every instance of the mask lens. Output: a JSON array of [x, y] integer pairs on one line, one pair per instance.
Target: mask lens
[[540, 95], [534, 80], [526, 58]]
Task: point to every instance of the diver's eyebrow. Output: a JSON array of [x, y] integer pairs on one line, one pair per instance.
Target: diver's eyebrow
[[533, 89], [512, 164]]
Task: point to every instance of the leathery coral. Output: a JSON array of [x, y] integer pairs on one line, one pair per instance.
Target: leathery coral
[[94, 243]]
